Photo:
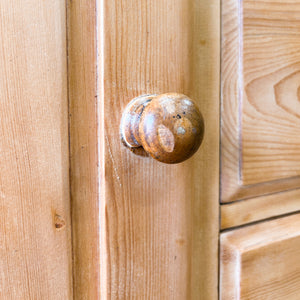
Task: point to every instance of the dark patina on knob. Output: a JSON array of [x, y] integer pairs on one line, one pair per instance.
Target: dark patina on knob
[[169, 126]]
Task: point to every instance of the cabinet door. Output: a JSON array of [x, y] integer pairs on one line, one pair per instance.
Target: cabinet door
[[262, 261], [158, 223], [260, 115], [260, 149]]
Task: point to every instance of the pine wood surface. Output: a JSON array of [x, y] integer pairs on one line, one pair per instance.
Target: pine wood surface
[[35, 225], [82, 71], [260, 98], [159, 223], [259, 208], [261, 261]]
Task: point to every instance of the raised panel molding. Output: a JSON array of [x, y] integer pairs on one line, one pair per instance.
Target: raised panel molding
[[261, 261], [260, 76]]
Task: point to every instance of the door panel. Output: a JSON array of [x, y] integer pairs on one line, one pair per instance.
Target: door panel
[[262, 261], [159, 223], [260, 149], [35, 231]]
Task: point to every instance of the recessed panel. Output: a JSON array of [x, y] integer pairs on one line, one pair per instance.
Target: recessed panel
[[270, 128], [260, 97]]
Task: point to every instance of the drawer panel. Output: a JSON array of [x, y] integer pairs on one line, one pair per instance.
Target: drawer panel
[[261, 261]]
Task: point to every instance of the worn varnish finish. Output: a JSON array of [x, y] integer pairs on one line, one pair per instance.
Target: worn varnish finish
[[82, 69], [159, 223], [35, 231], [262, 261], [169, 127], [260, 98]]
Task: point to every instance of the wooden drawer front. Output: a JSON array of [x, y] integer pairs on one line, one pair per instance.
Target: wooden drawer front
[[260, 97], [262, 261]]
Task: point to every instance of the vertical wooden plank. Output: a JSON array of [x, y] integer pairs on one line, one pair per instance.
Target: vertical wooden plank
[[205, 88], [83, 147], [159, 223], [35, 235]]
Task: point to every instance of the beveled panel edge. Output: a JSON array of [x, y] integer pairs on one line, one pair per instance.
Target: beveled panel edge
[[260, 208]]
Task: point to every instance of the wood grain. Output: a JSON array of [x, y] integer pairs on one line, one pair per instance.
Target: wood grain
[[35, 225], [159, 223], [82, 67], [259, 208], [262, 261], [271, 80], [260, 98]]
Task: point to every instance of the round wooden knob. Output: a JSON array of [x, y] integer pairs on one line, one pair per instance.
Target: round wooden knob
[[169, 126]]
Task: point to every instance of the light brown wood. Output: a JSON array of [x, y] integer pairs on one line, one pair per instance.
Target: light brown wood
[[35, 225], [82, 69], [159, 223], [259, 208], [262, 261], [260, 98]]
